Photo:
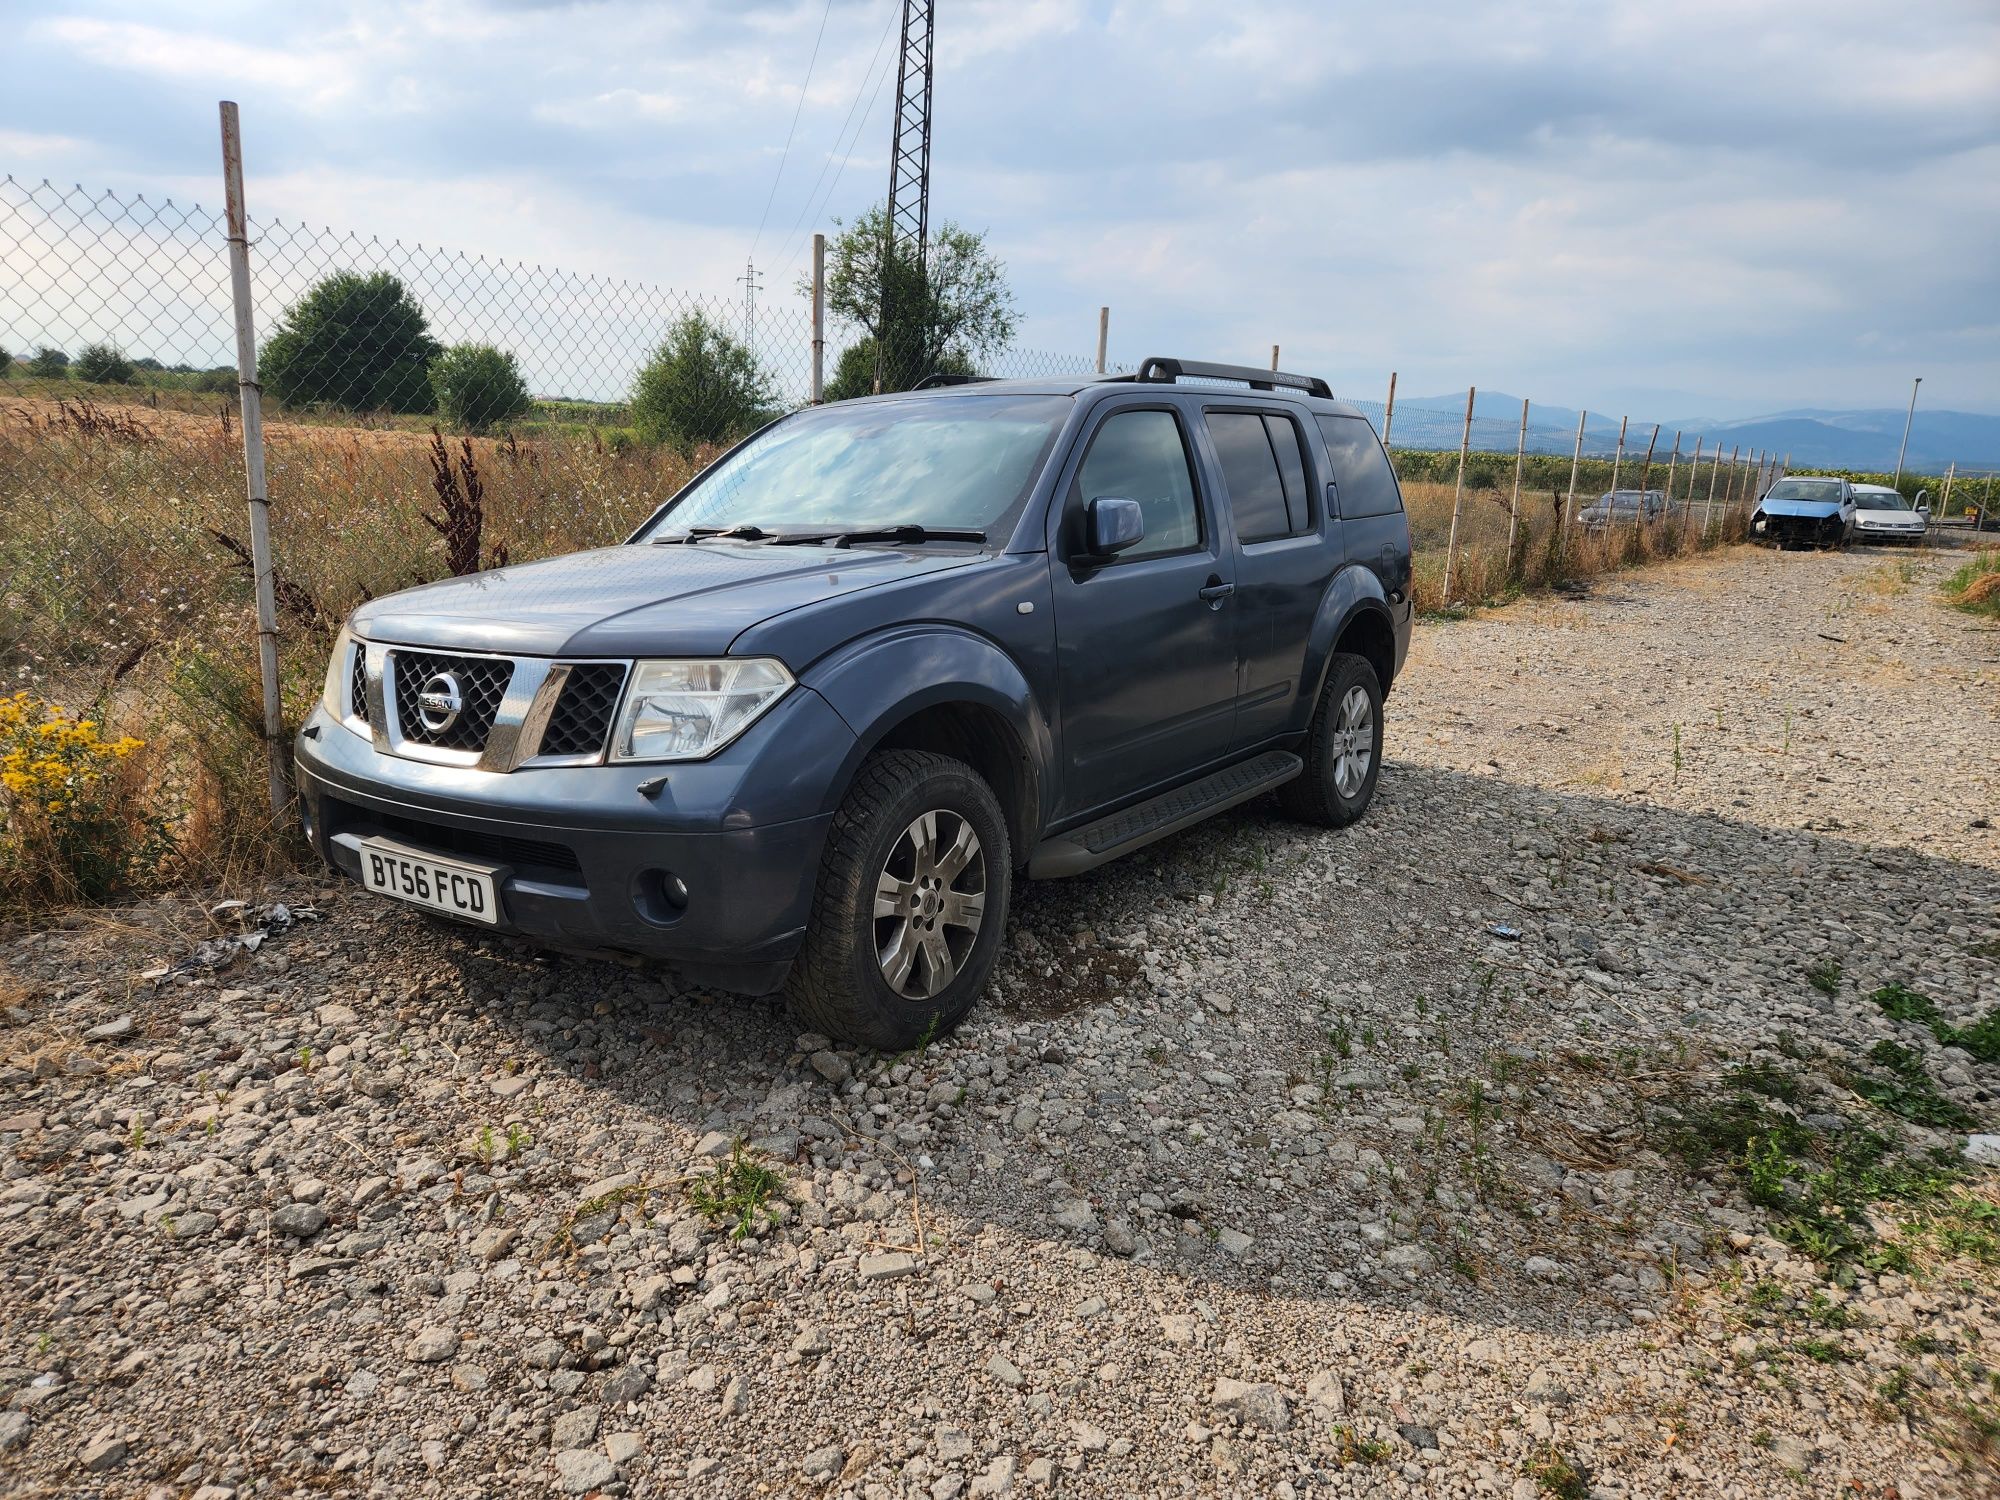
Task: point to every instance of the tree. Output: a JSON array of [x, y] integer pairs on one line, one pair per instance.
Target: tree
[[703, 386], [942, 315], [104, 364], [354, 341], [49, 364], [6, 364], [476, 385], [854, 373]]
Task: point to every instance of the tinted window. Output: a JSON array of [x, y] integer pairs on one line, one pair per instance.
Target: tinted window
[[1360, 468], [1250, 469], [1141, 456], [1292, 469]]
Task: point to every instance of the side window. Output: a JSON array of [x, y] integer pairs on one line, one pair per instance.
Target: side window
[[1361, 469], [1250, 469], [1140, 455], [1284, 436]]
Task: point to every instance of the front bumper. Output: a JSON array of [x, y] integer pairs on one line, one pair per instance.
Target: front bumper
[[1866, 533], [1798, 531], [584, 858]]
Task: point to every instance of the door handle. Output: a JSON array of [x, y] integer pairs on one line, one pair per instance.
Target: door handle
[[1215, 591]]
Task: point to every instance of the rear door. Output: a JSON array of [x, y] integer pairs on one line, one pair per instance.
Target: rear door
[[1145, 642], [1283, 561]]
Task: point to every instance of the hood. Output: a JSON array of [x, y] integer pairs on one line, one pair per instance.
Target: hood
[[636, 600], [1894, 520], [1814, 510]]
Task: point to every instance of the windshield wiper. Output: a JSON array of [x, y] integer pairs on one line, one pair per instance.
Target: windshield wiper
[[909, 532], [742, 533]]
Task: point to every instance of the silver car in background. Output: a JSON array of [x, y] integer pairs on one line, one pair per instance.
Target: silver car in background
[[1883, 515], [1624, 507]]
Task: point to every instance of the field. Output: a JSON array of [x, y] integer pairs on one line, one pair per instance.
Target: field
[[127, 594]]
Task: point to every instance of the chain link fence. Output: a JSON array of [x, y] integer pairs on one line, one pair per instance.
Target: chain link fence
[[431, 411]]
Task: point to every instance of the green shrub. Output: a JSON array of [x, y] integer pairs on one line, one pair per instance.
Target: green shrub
[[104, 364], [359, 342], [49, 364], [6, 364], [703, 386], [477, 385]]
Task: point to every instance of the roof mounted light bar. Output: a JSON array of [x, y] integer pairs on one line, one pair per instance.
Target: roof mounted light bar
[[1159, 368]]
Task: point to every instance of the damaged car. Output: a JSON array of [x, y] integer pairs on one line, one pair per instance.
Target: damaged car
[[1805, 512]]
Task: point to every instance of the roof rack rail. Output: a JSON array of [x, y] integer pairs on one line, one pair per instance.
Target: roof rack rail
[[1156, 367], [932, 382]]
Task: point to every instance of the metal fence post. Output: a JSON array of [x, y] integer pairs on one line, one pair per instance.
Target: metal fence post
[[1645, 477], [1694, 478], [1103, 336], [819, 320], [1274, 356], [1617, 462], [1950, 473], [1714, 472], [1673, 471], [1389, 412], [1575, 461], [251, 396], [1729, 495], [1458, 493], [1514, 506]]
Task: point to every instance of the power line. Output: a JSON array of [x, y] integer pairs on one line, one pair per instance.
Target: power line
[[895, 14], [798, 109]]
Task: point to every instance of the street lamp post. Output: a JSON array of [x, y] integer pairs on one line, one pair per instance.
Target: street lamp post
[[1905, 447]]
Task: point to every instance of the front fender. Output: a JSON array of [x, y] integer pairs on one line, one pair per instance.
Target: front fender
[[877, 682], [1353, 591]]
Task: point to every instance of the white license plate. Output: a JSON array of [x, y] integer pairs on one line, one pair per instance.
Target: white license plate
[[446, 885]]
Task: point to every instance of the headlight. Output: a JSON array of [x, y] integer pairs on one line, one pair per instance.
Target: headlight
[[333, 696], [685, 710]]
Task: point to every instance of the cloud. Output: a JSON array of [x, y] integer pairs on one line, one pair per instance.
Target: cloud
[[1761, 205]]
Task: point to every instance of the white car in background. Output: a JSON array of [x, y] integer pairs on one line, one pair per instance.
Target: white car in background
[[1882, 515]]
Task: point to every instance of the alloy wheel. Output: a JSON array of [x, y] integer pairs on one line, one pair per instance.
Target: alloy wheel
[[1353, 741], [930, 899]]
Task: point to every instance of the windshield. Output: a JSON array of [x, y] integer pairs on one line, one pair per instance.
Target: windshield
[[1879, 500], [955, 461], [1827, 490], [1621, 500]]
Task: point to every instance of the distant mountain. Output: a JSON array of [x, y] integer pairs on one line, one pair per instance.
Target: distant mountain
[[1816, 439]]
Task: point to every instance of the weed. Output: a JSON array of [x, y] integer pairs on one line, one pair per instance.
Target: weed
[[1908, 1091], [1982, 1038], [138, 1135], [1824, 976], [1349, 1447], [1557, 1475], [1677, 754], [518, 1139], [1824, 1351], [737, 1193]]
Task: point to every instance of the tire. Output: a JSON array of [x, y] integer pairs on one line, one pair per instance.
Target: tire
[[1327, 792], [841, 983]]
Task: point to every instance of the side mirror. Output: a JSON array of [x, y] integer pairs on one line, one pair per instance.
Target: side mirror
[[1113, 523]]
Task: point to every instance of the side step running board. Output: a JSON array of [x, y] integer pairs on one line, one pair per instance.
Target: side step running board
[[1107, 839]]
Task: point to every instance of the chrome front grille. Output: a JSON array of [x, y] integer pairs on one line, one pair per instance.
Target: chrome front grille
[[471, 686], [496, 713]]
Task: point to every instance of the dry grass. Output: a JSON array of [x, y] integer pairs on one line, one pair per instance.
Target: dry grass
[[1546, 553], [125, 589]]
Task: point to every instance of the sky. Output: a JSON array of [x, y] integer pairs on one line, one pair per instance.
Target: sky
[[1701, 209]]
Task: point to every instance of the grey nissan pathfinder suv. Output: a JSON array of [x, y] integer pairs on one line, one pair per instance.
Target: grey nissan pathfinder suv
[[874, 664]]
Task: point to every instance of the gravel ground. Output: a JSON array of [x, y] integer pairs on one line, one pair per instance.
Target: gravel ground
[[1281, 1162]]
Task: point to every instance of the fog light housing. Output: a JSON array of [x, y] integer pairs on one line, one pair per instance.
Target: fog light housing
[[660, 896]]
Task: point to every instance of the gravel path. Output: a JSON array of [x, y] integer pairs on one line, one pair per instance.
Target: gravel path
[[1282, 1163]]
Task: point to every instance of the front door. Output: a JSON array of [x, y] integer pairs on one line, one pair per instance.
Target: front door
[[1146, 641]]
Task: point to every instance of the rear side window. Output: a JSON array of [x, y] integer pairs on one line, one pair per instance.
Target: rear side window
[[1360, 468], [1265, 473], [1140, 455]]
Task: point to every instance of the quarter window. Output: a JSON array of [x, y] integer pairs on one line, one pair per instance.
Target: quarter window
[[1141, 455], [1360, 467]]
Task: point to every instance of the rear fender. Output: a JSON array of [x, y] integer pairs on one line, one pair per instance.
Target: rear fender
[[1354, 591]]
